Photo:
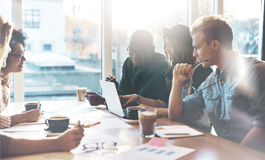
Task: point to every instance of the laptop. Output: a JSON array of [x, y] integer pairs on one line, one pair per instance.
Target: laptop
[[112, 98]]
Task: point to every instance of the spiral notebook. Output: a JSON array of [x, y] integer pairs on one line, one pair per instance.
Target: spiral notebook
[[176, 131]]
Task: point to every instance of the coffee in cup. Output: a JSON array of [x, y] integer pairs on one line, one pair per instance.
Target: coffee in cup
[[32, 105], [147, 122], [57, 123], [81, 92], [132, 112]]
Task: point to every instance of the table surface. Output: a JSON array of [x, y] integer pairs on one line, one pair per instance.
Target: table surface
[[206, 147]]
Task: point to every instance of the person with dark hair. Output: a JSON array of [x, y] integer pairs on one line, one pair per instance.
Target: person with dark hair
[[14, 63], [142, 70], [233, 95], [11, 146], [178, 49]]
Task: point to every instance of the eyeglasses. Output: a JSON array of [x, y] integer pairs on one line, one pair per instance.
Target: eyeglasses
[[90, 147], [133, 52], [17, 55], [188, 81]]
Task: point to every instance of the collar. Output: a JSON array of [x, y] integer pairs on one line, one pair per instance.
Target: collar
[[230, 66]]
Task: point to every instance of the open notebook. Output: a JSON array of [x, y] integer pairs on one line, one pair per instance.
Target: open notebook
[[176, 131]]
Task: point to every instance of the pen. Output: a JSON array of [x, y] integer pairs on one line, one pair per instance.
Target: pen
[[177, 134], [79, 125]]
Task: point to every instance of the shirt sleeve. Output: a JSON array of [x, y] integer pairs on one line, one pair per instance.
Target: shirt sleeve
[[5, 121], [257, 96], [193, 104], [122, 85], [5, 140]]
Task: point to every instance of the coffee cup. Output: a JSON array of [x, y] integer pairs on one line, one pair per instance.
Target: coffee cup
[[57, 123], [94, 98], [81, 92], [132, 111], [32, 105], [147, 122]]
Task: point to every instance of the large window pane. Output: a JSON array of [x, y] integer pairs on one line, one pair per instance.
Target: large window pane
[[245, 23], [138, 14], [64, 48], [205, 7]]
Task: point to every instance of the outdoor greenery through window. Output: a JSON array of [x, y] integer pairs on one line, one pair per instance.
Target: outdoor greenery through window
[[245, 23]]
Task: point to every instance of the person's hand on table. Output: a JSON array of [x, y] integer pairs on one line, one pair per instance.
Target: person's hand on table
[[29, 116], [94, 98], [70, 139], [33, 115]]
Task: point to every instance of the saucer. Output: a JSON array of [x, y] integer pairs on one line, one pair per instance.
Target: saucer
[[49, 133], [127, 120]]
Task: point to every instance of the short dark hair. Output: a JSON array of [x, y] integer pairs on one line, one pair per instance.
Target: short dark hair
[[214, 28], [17, 37]]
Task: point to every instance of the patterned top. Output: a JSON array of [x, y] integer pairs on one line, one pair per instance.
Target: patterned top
[[5, 121]]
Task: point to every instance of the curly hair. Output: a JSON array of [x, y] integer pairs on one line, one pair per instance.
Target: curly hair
[[17, 37]]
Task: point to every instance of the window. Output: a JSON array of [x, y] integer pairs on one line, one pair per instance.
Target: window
[[28, 47], [93, 56], [205, 7], [93, 34], [245, 23], [31, 18], [47, 47], [150, 15], [56, 75]]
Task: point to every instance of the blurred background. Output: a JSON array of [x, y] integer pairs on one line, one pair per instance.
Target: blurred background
[[64, 48]]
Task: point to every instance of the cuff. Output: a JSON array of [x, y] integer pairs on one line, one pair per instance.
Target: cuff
[[5, 121], [260, 123]]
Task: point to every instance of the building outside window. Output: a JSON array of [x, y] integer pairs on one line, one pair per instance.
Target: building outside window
[[93, 33], [31, 18], [47, 47], [28, 47]]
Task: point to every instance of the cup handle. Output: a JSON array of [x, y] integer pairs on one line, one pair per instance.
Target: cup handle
[[46, 122]]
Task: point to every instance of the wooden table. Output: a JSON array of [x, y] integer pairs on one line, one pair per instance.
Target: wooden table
[[207, 147]]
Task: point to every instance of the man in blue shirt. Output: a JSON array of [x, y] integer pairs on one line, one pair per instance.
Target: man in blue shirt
[[233, 95]]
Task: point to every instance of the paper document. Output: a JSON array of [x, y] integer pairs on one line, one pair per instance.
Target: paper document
[[25, 128], [176, 131], [111, 123], [144, 152], [97, 138]]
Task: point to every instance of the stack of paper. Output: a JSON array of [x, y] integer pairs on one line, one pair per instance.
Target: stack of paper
[[176, 131]]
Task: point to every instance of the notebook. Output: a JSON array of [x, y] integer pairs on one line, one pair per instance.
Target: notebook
[[176, 131]]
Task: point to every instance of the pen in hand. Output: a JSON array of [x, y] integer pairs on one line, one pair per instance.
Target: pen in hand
[[79, 124]]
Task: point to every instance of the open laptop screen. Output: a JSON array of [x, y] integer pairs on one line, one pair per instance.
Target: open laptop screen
[[111, 97]]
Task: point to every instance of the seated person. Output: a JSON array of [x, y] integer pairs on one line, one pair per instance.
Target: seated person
[[142, 70], [178, 49], [14, 63], [233, 95], [65, 142]]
